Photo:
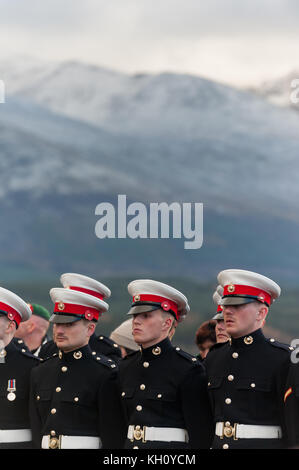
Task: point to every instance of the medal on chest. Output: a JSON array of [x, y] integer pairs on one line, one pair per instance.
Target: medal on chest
[[11, 388]]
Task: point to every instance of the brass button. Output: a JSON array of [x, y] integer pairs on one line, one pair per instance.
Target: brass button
[[252, 385], [225, 446], [123, 394], [77, 355], [248, 340], [38, 397], [228, 401], [146, 364], [142, 387], [235, 355], [159, 395], [58, 389], [64, 369], [76, 399], [138, 407], [156, 351], [230, 378], [227, 424], [53, 411], [53, 433]]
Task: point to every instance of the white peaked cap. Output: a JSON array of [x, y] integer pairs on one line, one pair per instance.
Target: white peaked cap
[[79, 281], [150, 295], [240, 286], [12, 306], [71, 305], [122, 335]]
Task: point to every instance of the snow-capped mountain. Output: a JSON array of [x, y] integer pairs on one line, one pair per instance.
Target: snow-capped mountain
[[73, 135]]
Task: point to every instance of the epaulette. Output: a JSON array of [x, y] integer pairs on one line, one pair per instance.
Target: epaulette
[[104, 360], [108, 341], [277, 344], [49, 357], [27, 353], [188, 356]]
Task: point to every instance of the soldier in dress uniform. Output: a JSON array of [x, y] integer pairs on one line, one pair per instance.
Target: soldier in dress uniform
[[75, 397], [247, 375], [15, 369], [164, 389], [220, 330], [98, 343], [32, 334]]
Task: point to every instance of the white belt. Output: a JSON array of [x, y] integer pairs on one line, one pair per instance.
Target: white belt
[[157, 434], [71, 442], [15, 435], [247, 431]]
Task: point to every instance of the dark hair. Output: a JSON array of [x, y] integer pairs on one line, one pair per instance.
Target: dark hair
[[205, 332]]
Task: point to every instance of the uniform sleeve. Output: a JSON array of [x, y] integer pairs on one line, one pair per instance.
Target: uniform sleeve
[[291, 406], [112, 427], [196, 408], [35, 421]]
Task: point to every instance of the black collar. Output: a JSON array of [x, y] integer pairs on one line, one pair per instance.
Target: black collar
[[248, 340], [157, 350]]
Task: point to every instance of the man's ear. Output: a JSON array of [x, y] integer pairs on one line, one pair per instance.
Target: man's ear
[[262, 313], [91, 328]]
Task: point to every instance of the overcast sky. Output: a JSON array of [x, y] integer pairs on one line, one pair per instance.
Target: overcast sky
[[241, 42]]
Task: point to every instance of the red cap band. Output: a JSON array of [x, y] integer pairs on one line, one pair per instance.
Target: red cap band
[[240, 290], [78, 310], [165, 303], [12, 314], [88, 291], [219, 308]]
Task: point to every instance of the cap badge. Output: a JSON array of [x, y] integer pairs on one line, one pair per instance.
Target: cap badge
[[261, 298], [61, 306], [156, 351], [10, 316], [248, 340], [231, 288], [136, 298], [77, 355]]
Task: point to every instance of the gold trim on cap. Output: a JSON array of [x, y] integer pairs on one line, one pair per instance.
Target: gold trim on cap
[[231, 288]]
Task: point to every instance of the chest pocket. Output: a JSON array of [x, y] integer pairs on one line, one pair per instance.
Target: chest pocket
[[43, 395], [127, 393], [160, 395], [86, 398], [214, 383], [258, 385]]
